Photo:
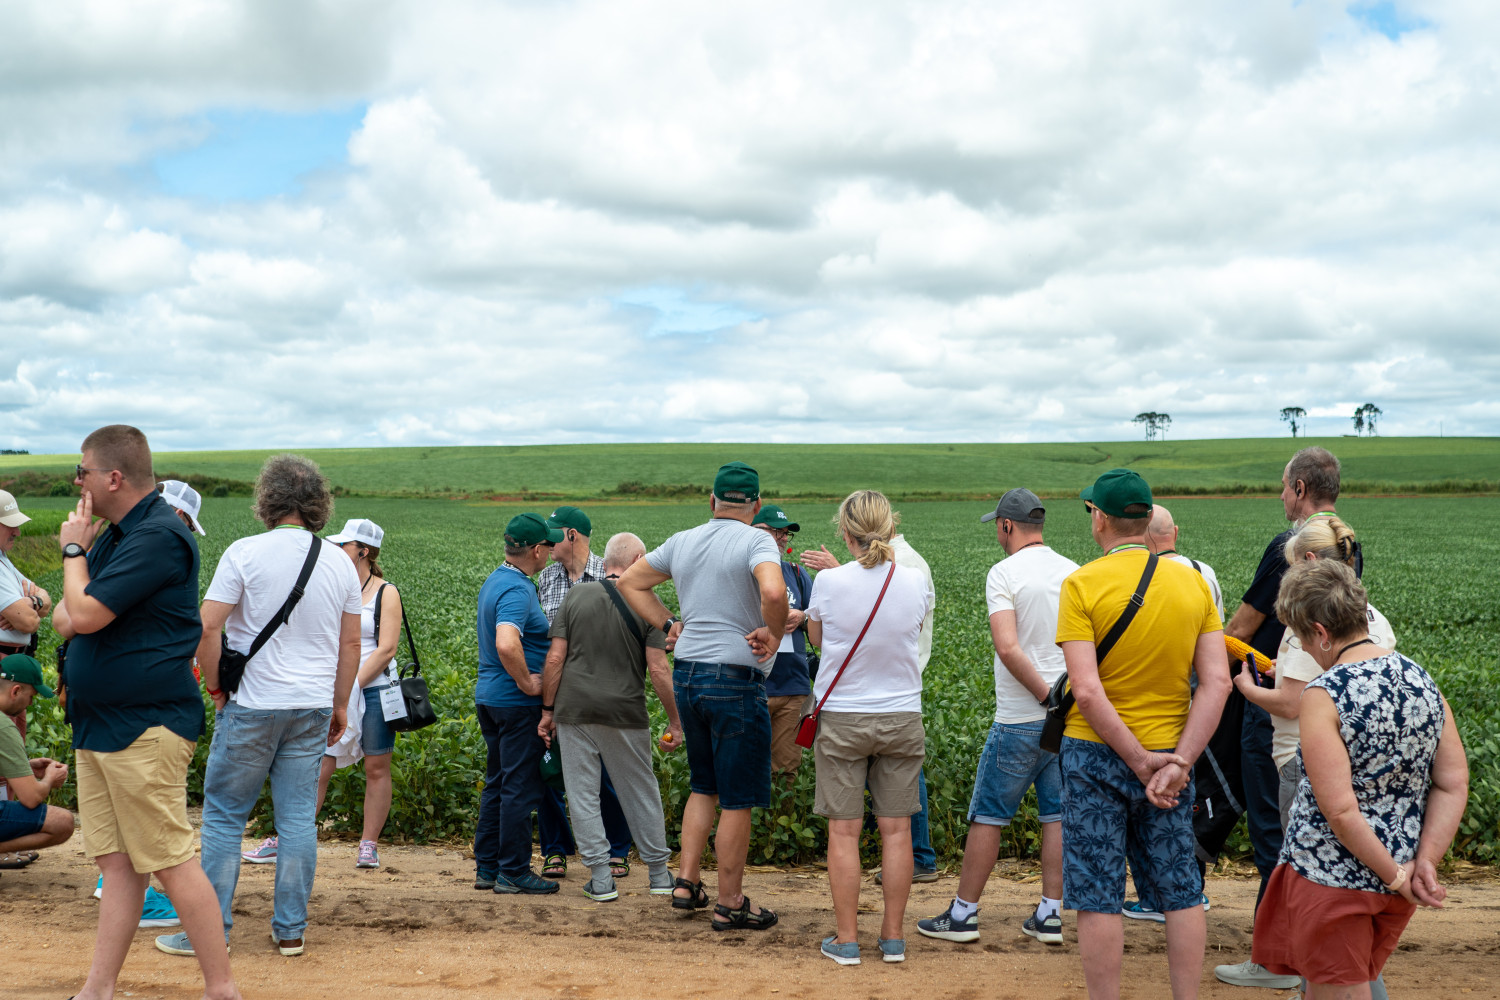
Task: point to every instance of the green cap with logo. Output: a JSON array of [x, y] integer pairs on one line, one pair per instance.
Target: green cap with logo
[[22, 669], [530, 529], [737, 483], [775, 517], [1117, 492], [571, 517]]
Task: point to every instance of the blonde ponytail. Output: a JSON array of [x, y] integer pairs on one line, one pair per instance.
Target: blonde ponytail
[[1324, 537], [867, 518]]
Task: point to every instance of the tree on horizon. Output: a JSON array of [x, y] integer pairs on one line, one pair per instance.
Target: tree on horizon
[[1156, 424], [1365, 417], [1296, 416]]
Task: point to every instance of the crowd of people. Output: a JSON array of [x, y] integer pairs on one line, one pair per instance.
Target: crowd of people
[[1349, 767]]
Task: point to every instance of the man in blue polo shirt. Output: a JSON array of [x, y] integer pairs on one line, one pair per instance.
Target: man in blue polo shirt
[[513, 644], [130, 607], [789, 684]]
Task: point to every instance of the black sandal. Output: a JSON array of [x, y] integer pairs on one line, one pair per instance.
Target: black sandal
[[697, 901], [742, 918]]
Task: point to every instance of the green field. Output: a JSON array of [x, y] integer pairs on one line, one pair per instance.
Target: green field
[[1371, 465], [1433, 567]]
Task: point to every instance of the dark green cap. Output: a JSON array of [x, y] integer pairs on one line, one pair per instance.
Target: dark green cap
[[737, 483], [530, 529], [22, 669], [571, 517], [775, 517], [1118, 490]]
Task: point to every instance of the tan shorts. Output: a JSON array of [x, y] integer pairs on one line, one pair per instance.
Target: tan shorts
[[884, 750], [134, 801], [786, 715]]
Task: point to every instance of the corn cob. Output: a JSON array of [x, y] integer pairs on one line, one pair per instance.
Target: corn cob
[[1241, 651]]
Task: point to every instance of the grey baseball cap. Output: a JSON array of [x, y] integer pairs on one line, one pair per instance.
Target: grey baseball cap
[[1019, 505]]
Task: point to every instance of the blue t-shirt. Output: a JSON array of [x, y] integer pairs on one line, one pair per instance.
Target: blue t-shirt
[[789, 673], [509, 597], [137, 671]]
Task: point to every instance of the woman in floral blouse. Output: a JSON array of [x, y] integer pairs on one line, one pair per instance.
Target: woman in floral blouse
[[1385, 789]]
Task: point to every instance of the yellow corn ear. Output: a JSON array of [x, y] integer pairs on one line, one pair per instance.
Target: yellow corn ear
[[1241, 651]]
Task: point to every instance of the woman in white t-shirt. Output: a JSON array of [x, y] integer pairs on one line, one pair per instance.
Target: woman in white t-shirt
[[870, 725], [369, 735]]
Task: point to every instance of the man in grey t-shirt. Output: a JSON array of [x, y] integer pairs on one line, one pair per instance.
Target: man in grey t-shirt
[[733, 598]]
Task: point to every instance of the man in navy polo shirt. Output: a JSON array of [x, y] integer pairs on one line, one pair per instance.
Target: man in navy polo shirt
[[513, 644], [130, 607], [789, 683]]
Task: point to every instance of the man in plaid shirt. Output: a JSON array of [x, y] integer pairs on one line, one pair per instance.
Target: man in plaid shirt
[[572, 562]]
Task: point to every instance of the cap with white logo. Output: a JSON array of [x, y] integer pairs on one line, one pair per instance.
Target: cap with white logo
[[10, 511]]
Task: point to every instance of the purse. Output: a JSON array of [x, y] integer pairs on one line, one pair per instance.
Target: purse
[[807, 729], [1060, 698], [232, 662], [414, 694]]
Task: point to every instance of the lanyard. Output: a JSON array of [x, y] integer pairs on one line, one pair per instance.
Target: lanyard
[[1122, 548]]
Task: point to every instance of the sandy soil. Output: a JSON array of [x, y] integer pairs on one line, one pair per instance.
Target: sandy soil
[[417, 929]]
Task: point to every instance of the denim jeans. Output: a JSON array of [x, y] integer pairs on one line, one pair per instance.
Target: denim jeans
[[923, 857], [249, 745], [512, 788], [1262, 786], [726, 726], [1012, 762]]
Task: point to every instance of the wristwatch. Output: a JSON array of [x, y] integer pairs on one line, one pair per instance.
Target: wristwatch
[[667, 625], [73, 549]]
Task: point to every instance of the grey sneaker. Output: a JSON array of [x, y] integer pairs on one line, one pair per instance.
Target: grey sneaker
[[844, 954], [892, 949], [599, 892], [661, 882], [917, 875], [945, 928], [527, 883], [1247, 973], [1048, 930], [178, 944]]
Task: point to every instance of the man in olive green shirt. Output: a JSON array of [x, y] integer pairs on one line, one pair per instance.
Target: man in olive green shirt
[[27, 823]]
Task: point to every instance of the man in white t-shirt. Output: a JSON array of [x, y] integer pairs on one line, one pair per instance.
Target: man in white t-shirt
[[1022, 593], [293, 701], [1161, 538], [23, 604]]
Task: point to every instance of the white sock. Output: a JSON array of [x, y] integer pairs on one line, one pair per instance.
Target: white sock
[[1047, 906], [963, 911]]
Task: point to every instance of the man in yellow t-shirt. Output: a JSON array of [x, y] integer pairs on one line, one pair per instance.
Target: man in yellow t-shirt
[[1133, 735]]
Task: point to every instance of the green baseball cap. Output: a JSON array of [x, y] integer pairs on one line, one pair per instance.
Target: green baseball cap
[[775, 517], [22, 669], [571, 517], [1118, 490], [531, 529], [737, 483]]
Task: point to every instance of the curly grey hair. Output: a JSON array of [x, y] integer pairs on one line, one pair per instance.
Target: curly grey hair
[[292, 485]]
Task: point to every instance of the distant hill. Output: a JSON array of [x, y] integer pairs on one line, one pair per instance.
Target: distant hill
[[1372, 465]]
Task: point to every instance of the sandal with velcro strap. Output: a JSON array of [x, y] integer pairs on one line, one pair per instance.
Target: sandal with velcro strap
[[697, 901], [742, 918]]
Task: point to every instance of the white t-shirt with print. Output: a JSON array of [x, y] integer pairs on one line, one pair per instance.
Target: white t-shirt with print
[[1208, 575], [296, 667], [886, 673], [1028, 582]]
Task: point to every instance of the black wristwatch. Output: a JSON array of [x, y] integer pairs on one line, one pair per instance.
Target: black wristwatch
[[73, 549], [546, 708], [667, 625]]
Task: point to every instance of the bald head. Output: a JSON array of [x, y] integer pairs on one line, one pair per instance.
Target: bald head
[[622, 550], [1161, 535]]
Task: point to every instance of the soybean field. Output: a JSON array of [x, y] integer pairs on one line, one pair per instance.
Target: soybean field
[[1432, 566]]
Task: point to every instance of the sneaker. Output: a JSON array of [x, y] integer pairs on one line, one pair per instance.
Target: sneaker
[[178, 944], [99, 889], [892, 949], [1144, 911], [597, 891], [945, 928], [662, 883], [158, 910], [1247, 973], [1047, 931], [844, 954], [484, 881], [527, 883], [289, 947], [917, 875], [265, 854], [367, 856], [1206, 909]]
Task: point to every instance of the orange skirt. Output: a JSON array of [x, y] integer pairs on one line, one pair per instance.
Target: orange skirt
[[1338, 937]]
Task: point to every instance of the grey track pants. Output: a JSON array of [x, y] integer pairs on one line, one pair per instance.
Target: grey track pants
[[584, 748]]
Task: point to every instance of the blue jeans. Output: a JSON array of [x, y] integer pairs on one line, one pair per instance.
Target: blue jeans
[[512, 789], [923, 857], [726, 724], [1012, 761], [557, 832], [1262, 786], [249, 745]]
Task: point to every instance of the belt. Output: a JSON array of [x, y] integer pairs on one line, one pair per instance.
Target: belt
[[728, 669], [11, 647]]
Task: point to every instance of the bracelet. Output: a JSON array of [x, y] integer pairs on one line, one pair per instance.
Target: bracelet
[[546, 708], [214, 692], [1395, 883]]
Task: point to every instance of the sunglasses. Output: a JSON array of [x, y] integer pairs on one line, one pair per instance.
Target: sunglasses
[[1089, 507], [79, 470]]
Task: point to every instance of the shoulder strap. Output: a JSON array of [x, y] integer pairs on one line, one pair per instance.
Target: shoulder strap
[[1137, 601], [850, 656], [411, 644], [620, 606], [279, 619], [379, 592]]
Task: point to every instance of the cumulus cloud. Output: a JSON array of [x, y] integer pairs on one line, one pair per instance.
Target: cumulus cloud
[[671, 221]]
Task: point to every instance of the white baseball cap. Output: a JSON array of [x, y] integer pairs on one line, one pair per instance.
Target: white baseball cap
[[361, 530], [10, 511], [184, 498]]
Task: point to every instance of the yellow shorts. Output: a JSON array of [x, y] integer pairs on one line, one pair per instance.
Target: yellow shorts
[[134, 801]]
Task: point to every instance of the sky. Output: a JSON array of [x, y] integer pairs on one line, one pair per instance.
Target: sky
[[345, 224]]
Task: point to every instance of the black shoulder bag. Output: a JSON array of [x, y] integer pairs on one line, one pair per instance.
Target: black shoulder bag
[[232, 662], [624, 609], [1060, 698], [419, 713]]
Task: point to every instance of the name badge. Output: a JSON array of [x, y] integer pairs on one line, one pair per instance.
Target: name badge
[[392, 705]]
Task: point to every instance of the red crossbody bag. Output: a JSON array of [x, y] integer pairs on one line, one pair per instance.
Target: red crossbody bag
[[807, 731]]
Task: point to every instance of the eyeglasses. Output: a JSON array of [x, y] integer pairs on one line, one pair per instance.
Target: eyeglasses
[[783, 534], [79, 470], [1089, 507]]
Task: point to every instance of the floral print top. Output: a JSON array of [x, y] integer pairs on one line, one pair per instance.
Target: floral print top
[[1390, 717]]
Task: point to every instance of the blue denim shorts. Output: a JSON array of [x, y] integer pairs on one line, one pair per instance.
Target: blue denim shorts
[[727, 727], [1104, 803], [17, 820], [1013, 760], [375, 734]]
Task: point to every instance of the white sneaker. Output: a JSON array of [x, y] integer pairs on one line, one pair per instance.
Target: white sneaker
[[1247, 973]]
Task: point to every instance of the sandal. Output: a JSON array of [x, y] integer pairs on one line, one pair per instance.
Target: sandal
[[15, 859], [742, 918], [555, 866], [697, 901], [619, 867]]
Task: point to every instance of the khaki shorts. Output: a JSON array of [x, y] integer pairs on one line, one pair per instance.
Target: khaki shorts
[[134, 801], [883, 750], [786, 716]]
